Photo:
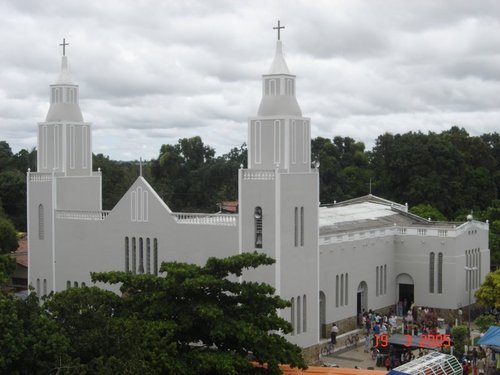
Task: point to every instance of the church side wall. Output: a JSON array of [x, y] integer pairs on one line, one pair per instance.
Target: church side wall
[[258, 193], [88, 246], [299, 254], [40, 235], [356, 261]]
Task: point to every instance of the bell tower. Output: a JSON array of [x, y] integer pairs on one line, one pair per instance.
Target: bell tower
[[279, 198], [64, 184]]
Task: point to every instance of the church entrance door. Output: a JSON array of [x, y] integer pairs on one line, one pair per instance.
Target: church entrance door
[[362, 300]]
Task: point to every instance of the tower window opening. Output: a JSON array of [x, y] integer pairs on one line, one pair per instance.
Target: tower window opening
[[258, 227]]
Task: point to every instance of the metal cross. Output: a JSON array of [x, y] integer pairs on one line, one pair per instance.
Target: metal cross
[[64, 44], [278, 28]]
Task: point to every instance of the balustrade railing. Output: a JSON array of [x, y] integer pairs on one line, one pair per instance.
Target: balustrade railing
[[81, 215], [258, 174], [206, 219]]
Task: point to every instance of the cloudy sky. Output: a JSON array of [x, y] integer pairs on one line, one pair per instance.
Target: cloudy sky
[[151, 72]]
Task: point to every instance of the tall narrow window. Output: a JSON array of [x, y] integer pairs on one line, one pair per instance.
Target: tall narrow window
[[141, 255], [292, 315], [296, 227], [134, 255], [385, 278], [298, 315], [148, 255], [277, 141], [155, 256], [346, 287], [294, 141], [467, 272], [304, 313], [376, 282], [258, 227], [381, 279], [127, 255], [68, 284], [301, 226], [38, 287], [41, 222], [337, 291], [440, 273], [257, 142], [342, 290], [75, 284], [44, 287], [431, 272]]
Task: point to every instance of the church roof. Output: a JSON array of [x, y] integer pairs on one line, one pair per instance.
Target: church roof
[[369, 212]]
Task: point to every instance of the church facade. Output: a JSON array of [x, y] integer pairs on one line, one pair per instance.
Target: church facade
[[331, 261]]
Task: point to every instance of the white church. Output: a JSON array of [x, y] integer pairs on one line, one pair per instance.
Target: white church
[[332, 261]]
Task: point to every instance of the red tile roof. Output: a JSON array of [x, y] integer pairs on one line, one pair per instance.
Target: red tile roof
[[21, 254]]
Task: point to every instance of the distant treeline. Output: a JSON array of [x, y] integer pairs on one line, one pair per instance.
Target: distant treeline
[[444, 176]]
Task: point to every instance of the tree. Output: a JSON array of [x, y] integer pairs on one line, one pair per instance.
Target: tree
[[31, 341], [8, 236], [427, 211], [212, 323], [488, 293]]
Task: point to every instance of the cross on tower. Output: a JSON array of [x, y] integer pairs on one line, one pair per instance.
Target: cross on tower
[[64, 44], [278, 28]]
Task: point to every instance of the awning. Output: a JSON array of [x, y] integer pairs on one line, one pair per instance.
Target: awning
[[491, 338]]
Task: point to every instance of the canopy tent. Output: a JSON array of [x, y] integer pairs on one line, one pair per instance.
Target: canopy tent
[[432, 363], [491, 338]]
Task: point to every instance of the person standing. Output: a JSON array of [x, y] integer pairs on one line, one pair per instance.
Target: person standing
[[333, 333]]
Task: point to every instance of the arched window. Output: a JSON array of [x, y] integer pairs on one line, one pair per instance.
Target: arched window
[[155, 256], [337, 291], [301, 226], [258, 227], [296, 242], [127, 255], [346, 287], [141, 255], [84, 285], [381, 270], [299, 313], [385, 278], [68, 284], [431, 272], [75, 284], [134, 255], [41, 222], [440, 273], [292, 315], [38, 287], [44, 287], [148, 255], [304, 313], [342, 290]]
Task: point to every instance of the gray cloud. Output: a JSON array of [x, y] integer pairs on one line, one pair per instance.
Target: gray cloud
[[152, 72]]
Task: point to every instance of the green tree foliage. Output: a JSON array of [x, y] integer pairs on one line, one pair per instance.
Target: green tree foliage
[[8, 236], [488, 293], [117, 176], [190, 178], [30, 340], [485, 321], [450, 171], [344, 168], [211, 324], [459, 338], [427, 211]]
